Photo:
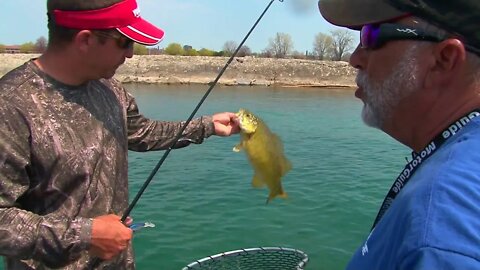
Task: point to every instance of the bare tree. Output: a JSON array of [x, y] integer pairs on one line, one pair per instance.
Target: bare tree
[[342, 43], [281, 45], [322, 45], [267, 53], [41, 44], [244, 51], [229, 47], [299, 55]]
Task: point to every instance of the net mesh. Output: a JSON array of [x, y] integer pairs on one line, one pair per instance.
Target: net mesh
[[266, 258]]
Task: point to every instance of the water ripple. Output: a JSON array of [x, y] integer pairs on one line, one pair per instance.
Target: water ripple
[[202, 201]]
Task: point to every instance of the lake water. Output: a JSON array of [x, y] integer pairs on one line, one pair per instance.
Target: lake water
[[201, 200]]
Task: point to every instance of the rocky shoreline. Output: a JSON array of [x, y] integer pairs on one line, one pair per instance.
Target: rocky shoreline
[[250, 71]]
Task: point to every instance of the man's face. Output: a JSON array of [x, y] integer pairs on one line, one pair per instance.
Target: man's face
[[109, 53], [381, 96]]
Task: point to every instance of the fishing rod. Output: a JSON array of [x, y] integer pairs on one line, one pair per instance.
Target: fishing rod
[[95, 262], [179, 135]]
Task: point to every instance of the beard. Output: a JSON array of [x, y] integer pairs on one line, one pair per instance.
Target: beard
[[381, 98]]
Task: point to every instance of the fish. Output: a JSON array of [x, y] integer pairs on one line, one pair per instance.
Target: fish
[[265, 153]]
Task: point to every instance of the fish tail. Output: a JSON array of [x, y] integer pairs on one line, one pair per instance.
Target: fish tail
[[272, 196], [280, 192]]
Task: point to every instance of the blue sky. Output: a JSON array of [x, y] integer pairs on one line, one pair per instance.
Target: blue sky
[[199, 23]]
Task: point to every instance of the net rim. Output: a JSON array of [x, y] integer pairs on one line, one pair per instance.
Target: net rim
[[223, 255]]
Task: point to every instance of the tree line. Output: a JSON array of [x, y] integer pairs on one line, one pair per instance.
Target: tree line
[[336, 46]]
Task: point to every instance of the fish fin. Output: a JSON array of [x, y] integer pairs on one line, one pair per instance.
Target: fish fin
[[238, 147], [272, 196], [257, 181]]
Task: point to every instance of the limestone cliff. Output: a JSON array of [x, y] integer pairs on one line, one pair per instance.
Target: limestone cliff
[[167, 69]]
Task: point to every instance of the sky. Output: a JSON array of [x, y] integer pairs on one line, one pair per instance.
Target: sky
[[198, 23]]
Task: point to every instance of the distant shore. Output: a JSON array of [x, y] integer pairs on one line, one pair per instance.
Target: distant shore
[[166, 69]]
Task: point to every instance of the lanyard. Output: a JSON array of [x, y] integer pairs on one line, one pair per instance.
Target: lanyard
[[419, 158]]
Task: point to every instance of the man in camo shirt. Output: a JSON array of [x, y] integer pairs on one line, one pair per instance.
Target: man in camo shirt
[[65, 130]]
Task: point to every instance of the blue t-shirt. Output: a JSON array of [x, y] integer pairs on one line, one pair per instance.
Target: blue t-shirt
[[434, 222]]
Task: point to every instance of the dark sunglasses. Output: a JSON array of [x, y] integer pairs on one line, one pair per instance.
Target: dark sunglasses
[[373, 36], [122, 41]]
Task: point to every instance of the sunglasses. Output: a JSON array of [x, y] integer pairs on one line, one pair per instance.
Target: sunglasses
[[122, 41], [374, 36]]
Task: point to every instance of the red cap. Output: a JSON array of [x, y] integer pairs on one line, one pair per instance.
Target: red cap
[[124, 16]]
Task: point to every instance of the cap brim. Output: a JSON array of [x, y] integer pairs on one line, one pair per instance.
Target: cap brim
[[143, 32], [356, 13]]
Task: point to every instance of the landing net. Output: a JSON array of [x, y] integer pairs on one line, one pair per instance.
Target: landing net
[[262, 258]]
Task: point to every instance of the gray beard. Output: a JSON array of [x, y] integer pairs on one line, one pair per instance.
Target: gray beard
[[381, 98]]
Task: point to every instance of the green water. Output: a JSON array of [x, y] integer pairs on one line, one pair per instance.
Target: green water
[[201, 200]]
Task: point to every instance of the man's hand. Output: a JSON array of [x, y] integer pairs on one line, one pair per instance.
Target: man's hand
[[225, 123], [109, 236]]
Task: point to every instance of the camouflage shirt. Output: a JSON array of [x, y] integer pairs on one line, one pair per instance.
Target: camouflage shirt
[[63, 161]]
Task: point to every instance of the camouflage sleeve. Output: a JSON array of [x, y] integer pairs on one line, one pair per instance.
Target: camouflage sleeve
[[145, 134], [23, 234]]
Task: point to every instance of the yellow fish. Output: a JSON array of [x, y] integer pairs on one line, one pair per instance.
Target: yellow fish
[[264, 150]]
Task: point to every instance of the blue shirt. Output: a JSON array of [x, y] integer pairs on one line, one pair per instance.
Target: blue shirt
[[434, 222]]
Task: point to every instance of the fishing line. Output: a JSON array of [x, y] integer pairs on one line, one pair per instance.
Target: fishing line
[[179, 135], [94, 263]]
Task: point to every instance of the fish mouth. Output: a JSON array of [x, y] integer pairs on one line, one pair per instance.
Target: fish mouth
[[240, 112], [242, 127], [239, 116]]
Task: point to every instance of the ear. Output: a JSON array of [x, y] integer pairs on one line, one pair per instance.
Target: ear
[[449, 58], [83, 40]]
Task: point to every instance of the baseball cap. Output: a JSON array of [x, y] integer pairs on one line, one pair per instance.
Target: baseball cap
[[123, 16], [459, 17], [356, 13]]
